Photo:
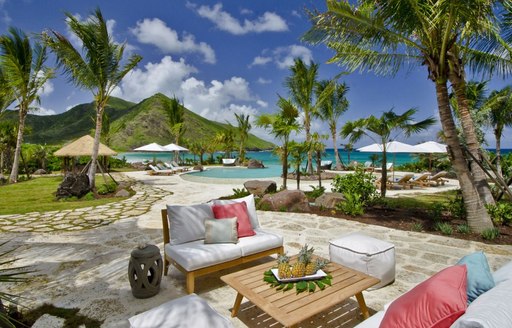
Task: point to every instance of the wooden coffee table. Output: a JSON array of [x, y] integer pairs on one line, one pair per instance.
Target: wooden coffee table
[[290, 308]]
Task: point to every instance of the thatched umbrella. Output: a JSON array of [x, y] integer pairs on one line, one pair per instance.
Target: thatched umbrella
[[83, 147]]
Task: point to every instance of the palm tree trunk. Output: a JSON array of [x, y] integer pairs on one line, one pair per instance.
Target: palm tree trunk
[[384, 177], [468, 128], [13, 178], [91, 174], [497, 135], [336, 151], [477, 216], [309, 167], [285, 163]]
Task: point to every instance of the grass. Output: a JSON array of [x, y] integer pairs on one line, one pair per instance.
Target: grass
[[421, 201], [37, 195]]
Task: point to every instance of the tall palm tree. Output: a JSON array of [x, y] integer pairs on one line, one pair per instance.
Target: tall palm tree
[[24, 73], [97, 65], [498, 108], [301, 84], [332, 105], [243, 128], [281, 125], [298, 152], [6, 93], [384, 129], [384, 36]]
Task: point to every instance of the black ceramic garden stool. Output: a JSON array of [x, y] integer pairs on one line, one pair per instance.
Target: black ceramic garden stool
[[145, 271]]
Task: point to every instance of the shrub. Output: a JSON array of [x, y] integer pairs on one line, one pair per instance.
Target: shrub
[[444, 227], [352, 205], [242, 192], [358, 183], [106, 188], [501, 213], [463, 228], [490, 234], [436, 211], [89, 196], [457, 207], [417, 226], [316, 192]]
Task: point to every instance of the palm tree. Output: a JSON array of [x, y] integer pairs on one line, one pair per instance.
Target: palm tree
[[298, 152], [331, 106], [498, 108], [301, 84], [318, 148], [383, 36], [226, 139], [243, 128], [96, 66], [383, 130], [281, 125], [6, 93], [24, 74]]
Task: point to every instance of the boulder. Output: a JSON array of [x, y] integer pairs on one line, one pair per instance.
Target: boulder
[[255, 164], [40, 172], [199, 168], [286, 201], [260, 187], [73, 185], [329, 199], [123, 193]]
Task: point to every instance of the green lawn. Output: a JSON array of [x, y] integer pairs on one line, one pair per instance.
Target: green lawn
[[421, 200], [37, 195]]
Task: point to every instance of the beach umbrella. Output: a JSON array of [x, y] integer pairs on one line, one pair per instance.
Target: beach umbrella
[[391, 147], [176, 149], [430, 147], [152, 147]]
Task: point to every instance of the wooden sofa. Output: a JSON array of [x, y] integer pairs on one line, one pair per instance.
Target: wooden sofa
[[258, 246]]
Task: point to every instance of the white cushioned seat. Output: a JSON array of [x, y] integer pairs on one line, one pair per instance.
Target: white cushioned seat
[[189, 311], [260, 242], [366, 254], [196, 255]]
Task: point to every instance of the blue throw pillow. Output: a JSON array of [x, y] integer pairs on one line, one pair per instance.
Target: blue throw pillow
[[480, 278]]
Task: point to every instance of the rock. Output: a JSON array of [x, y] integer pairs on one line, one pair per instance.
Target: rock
[[124, 185], [123, 193], [260, 187], [199, 168], [286, 200], [255, 164], [40, 172], [329, 199], [73, 185], [48, 321]]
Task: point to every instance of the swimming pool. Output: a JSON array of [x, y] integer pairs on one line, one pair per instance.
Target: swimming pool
[[239, 172]]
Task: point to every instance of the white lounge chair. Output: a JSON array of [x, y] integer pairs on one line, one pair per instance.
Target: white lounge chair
[[157, 170], [229, 161], [172, 166]]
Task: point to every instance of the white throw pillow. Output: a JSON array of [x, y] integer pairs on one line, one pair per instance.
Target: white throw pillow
[[251, 207], [502, 274], [492, 309], [186, 222]]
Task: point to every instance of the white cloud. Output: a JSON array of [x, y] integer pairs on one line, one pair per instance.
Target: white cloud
[[70, 106], [260, 60], [284, 56], [263, 81], [4, 15], [156, 32], [262, 103], [246, 11], [268, 22], [296, 14], [41, 111], [165, 77], [47, 88]]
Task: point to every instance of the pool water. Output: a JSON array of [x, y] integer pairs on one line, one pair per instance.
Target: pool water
[[239, 172]]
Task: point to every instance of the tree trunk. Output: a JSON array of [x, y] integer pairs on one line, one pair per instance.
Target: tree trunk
[[497, 135], [96, 146], [477, 216], [318, 168], [298, 177], [384, 177], [336, 151], [468, 128], [285, 163], [13, 178], [307, 127]]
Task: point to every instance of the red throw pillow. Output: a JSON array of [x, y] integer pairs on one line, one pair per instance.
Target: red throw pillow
[[435, 303], [240, 211]]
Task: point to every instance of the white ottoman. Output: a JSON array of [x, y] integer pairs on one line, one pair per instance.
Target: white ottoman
[[366, 254]]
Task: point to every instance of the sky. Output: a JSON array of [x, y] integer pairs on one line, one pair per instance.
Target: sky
[[220, 58]]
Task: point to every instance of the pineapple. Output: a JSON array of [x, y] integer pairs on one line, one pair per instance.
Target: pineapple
[[299, 269], [283, 266], [313, 267]]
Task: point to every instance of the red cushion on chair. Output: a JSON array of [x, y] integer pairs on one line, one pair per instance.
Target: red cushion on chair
[[240, 211], [435, 303]]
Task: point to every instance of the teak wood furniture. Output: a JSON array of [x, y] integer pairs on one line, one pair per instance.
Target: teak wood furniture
[[290, 308]]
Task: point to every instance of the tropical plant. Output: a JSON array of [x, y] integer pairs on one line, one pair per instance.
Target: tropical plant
[[384, 129], [383, 36], [243, 128], [501, 212], [498, 109], [301, 84], [226, 140], [281, 125], [357, 183], [6, 93], [298, 153], [25, 74], [332, 104], [96, 66], [490, 234], [318, 148], [352, 205], [8, 133]]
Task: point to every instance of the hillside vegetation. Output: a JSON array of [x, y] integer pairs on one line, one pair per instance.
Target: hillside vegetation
[[133, 125]]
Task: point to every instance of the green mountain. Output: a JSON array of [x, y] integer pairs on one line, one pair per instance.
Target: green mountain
[[133, 124]]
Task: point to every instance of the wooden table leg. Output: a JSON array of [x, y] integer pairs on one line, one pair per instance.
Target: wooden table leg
[[362, 305], [236, 306]]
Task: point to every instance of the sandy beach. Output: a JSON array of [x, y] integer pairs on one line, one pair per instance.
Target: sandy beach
[[87, 269]]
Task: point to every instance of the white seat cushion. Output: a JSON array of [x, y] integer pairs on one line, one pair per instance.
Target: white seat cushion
[[373, 321], [261, 241], [189, 311], [196, 254]]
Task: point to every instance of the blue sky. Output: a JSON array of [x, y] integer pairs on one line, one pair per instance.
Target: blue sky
[[219, 58]]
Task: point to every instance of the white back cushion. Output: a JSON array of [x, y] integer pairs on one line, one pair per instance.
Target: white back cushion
[[186, 222]]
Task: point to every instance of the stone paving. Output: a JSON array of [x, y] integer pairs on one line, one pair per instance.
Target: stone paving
[[85, 217]]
